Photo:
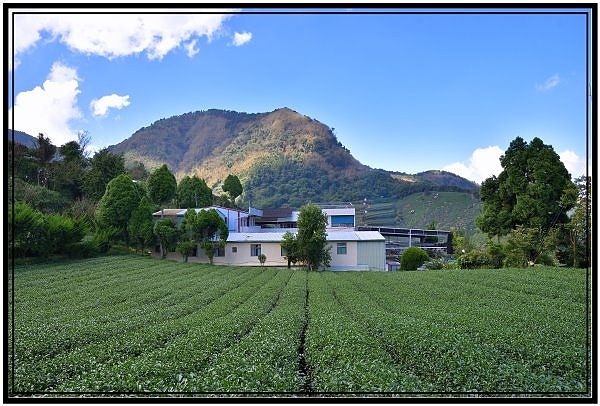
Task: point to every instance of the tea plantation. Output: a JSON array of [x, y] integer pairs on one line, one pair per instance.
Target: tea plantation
[[135, 326]]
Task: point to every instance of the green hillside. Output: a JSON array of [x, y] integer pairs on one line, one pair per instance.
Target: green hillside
[[446, 209]]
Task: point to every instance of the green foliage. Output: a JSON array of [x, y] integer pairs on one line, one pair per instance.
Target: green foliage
[[186, 248], [162, 186], [534, 190], [311, 240], [473, 259], [69, 171], [461, 242], [204, 227], [166, 233], [412, 258], [526, 246], [249, 329], [83, 209], [262, 258], [435, 264], [232, 186], [114, 209], [492, 255], [84, 249], [38, 197], [193, 192], [23, 162], [140, 225], [104, 237], [136, 170], [104, 167], [577, 246], [290, 245], [45, 152], [496, 254], [62, 232], [34, 233], [26, 227]]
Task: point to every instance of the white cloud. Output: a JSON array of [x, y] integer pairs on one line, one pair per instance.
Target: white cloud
[[49, 108], [550, 83], [483, 163], [116, 35], [574, 164], [240, 38], [191, 48], [114, 101]]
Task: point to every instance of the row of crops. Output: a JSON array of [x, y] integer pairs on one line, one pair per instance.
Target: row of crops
[[136, 325]]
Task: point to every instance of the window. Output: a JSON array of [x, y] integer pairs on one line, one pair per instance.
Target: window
[[341, 248], [283, 252], [254, 250], [234, 249], [342, 221], [219, 250]]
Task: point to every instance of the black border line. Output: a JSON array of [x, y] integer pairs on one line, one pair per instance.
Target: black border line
[[587, 9]]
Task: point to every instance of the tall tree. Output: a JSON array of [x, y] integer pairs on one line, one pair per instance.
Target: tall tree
[[233, 187], [114, 209], [140, 224], [534, 190], [162, 186], [45, 153], [312, 237], [166, 234], [193, 192], [580, 224], [69, 171], [290, 245], [104, 167]]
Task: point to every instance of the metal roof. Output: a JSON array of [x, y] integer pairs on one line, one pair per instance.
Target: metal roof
[[332, 236]]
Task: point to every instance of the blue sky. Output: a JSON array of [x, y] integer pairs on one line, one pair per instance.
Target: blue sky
[[405, 92]]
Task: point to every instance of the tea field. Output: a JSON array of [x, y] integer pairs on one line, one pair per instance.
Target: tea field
[[135, 326]]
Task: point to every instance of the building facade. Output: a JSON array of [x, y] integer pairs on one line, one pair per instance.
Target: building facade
[[256, 232]]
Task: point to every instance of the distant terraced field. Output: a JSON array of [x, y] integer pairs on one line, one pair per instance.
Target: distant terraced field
[[447, 210]]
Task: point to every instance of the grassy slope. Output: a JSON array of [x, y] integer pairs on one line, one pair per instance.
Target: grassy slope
[[132, 323], [447, 209]]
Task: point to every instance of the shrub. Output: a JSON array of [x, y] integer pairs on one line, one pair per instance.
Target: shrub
[[473, 259], [83, 249], [412, 258], [262, 258], [435, 264], [495, 255]]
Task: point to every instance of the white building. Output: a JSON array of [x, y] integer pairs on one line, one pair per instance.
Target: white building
[[256, 232]]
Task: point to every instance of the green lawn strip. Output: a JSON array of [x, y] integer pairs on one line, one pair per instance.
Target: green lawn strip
[[148, 327], [265, 360], [190, 342], [342, 354], [40, 333], [528, 340]]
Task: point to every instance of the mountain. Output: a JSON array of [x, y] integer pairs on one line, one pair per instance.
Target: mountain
[[22, 138], [283, 158], [214, 143]]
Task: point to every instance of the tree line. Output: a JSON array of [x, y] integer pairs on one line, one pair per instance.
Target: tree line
[[61, 201], [533, 213]]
